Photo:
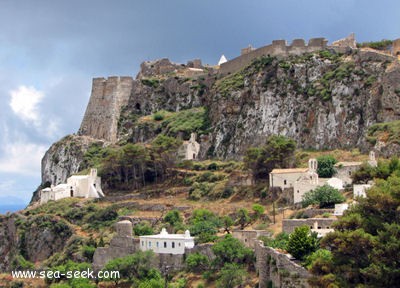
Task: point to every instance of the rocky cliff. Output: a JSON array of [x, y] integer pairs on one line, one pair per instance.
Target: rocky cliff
[[30, 239], [323, 100]]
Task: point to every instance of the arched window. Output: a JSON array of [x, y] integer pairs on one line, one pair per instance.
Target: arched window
[[173, 244], [165, 244]]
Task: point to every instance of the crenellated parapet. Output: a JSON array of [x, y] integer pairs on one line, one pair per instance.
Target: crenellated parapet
[[278, 48]]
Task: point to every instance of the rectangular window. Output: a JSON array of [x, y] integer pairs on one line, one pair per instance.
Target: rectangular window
[[157, 244], [142, 243], [173, 244], [165, 244], [150, 244]]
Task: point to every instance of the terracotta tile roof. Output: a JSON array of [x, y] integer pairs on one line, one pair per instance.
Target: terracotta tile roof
[[289, 170]]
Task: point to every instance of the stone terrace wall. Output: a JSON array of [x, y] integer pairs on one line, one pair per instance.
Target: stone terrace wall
[[277, 48], [249, 237], [311, 213], [104, 108], [277, 269], [288, 225]]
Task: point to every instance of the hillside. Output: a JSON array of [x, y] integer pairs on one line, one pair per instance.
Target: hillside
[[322, 100], [319, 101]]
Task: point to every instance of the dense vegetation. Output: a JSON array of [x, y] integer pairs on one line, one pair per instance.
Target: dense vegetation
[[378, 45], [326, 167], [363, 248], [277, 152]]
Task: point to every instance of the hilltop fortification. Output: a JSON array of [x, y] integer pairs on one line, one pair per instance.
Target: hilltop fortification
[[278, 48], [104, 108], [322, 96]]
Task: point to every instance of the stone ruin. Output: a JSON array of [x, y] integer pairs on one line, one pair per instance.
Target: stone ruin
[[278, 48], [121, 245], [349, 41]]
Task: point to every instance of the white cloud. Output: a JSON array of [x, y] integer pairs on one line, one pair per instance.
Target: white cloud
[[22, 158], [24, 103], [19, 155]]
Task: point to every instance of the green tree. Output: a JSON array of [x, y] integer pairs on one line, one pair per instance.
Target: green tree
[[366, 240], [280, 241], [204, 225], [231, 250], [319, 255], [173, 217], [302, 242], [325, 196], [197, 262], [143, 228], [135, 266], [258, 211], [277, 152], [326, 168], [227, 223], [243, 219], [231, 275]]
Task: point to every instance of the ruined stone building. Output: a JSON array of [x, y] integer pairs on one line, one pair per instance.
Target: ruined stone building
[[189, 149]]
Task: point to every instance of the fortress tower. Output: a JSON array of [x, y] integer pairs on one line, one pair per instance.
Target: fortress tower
[[103, 111]]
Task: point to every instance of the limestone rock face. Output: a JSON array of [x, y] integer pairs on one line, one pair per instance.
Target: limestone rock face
[[34, 238], [8, 242], [65, 158], [323, 100], [321, 103]]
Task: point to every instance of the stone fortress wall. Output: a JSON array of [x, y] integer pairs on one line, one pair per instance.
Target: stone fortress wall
[[276, 269], [104, 108], [278, 48], [288, 225]]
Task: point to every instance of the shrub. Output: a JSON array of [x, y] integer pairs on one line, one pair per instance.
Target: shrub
[[88, 252], [143, 228], [231, 250], [173, 217], [231, 275], [197, 262], [280, 241], [158, 116]]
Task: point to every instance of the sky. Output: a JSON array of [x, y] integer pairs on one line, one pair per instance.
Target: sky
[[51, 49]]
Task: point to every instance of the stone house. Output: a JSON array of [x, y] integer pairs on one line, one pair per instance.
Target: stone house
[[189, 150], [321, 226], [360, 189], [340, 208], [249, 237], [165, 243], [285, 178], [83, 186], [344, 170]]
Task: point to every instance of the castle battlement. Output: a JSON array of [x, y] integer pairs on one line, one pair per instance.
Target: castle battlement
[[278, 48]]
